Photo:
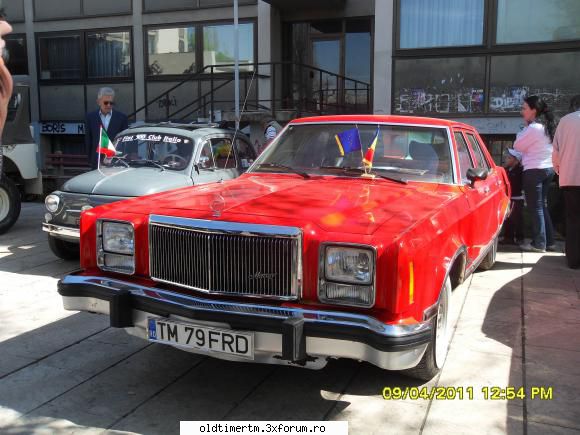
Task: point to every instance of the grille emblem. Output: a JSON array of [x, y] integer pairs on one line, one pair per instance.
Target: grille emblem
[[260, 275]]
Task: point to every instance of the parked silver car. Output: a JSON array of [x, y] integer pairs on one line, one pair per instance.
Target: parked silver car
[[150, 159]]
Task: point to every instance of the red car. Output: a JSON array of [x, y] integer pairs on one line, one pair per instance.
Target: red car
[[344, 239]]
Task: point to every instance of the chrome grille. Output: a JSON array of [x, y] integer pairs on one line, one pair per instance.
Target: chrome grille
[[226, 257]]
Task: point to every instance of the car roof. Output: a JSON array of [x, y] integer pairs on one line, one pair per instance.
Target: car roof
[[388, 119]]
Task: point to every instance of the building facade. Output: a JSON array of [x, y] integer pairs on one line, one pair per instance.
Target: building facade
[[473, 60]]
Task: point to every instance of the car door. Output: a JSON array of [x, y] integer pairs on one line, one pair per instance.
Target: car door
[[476, 226], [493, 183]]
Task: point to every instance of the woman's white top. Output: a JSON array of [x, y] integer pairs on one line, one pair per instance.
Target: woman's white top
[[535, 146]]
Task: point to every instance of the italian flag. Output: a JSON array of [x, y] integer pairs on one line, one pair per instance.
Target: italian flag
[[105, 145]]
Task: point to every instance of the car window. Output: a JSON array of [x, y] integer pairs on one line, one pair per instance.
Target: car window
[[246, 154], [465, 161], [223, 153], [412, 153], [479, 156], [171, 151], [206, 157]]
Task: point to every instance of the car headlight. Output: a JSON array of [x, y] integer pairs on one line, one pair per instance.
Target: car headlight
[[346, 275], [118, 238], [52, 202], [116, 246]]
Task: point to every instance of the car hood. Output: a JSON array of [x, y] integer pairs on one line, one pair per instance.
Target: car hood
[[127, 182], [336, 204]]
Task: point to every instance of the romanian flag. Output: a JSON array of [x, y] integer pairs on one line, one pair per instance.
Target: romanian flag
[[348, 141], [370, 154], [106, 147]]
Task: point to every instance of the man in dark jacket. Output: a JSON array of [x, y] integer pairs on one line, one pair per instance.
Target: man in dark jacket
[[113, 122]]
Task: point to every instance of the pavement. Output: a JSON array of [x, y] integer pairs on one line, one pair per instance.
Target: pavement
[[517, 325]]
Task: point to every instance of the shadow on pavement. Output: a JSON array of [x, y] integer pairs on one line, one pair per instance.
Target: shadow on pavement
[[545, 344]]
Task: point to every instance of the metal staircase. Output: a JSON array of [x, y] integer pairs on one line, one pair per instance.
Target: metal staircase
[[281, 90]]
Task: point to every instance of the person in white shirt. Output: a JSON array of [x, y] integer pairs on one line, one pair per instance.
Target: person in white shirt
[[535, 144], [566, 160]]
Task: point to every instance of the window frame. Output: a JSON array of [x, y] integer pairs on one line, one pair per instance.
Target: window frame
[[84, 78], [462, 175], [82, 14], [199, 67], [477, 149]]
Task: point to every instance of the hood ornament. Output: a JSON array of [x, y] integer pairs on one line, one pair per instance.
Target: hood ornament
[[217, 205]]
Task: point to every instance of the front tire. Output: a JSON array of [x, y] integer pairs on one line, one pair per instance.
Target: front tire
[[10, 204], [436, 353], [63, 249]]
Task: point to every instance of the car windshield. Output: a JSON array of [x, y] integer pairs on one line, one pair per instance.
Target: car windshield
[[409, 153], [167, 151]]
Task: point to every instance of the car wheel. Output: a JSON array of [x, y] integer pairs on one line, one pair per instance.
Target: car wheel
[[9, 204], [63, 249], [436, 353], [489, 259]]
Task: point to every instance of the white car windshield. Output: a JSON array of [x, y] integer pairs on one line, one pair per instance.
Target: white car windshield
[[409, 153], [164, 150]]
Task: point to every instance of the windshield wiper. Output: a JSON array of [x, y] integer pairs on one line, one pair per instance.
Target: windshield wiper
[[120, 159], [149, 162], [289, 168], [362, 172]]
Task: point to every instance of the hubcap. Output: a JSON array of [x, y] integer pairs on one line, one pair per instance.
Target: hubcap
[[4, 204], [441, 335]]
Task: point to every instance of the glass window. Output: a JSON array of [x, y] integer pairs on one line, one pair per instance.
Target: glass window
[[218, 47], [153, 148], [14, 10], [445, 85], [171, 51], [479, 156], [440, 23], [537, 21], [51, 9], [223, 153], [246, 154], [465, 162], [548, 75], [206, 157], [60, 57], [103, 7], [109, 54], [18, 57], [406, 152]]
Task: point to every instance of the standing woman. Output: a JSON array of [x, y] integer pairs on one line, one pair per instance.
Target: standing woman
[[535, 144]]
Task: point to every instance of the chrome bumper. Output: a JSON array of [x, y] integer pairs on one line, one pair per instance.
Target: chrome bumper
[[59, 231], [282, 335]]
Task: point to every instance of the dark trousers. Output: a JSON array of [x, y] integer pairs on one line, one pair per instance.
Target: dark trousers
[[536, 183], [572, 199], [514, 225]]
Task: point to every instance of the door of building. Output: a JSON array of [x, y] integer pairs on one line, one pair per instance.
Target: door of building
[[326, 57]]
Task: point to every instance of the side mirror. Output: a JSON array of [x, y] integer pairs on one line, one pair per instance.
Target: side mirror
[[475, 174]]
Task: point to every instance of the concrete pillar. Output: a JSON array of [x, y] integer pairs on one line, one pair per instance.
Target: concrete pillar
[[138, 58], [264, 50], [32, 64], [383, 56]]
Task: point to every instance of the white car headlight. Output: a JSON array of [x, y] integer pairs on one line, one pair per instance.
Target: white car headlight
[[349, 265], [52, 202], [347, 275], [118, 238], [116, 246]]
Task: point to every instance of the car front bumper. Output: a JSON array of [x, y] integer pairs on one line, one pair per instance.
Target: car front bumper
[[70, 234], [283, 335]]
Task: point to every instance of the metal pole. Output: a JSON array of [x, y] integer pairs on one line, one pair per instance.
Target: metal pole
[[237, 62]]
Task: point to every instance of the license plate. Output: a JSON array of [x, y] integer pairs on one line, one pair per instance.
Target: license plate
[[201, 337]]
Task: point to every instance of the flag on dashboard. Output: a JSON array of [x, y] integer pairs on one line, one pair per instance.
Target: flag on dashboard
[[370, 154], [106, 147], [348, 141]]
